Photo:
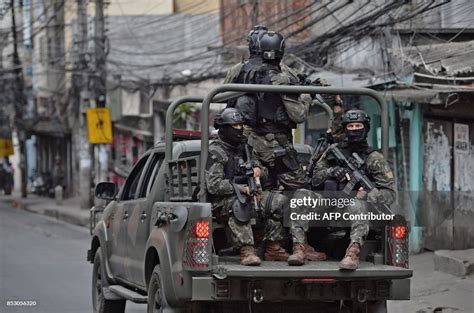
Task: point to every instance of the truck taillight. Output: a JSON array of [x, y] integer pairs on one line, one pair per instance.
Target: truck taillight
[[398, 242], [398, 232], [197, 250], [201, 229]]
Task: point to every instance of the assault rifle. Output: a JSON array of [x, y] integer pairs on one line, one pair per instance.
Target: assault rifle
[[318, 151], [357, 175], [252, 182]]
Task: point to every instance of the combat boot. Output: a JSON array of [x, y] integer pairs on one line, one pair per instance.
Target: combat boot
[[248, 256], [298, 257], [351, 259], [312, 254], [275, 252]]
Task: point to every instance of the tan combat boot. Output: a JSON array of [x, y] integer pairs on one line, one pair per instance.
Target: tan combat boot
[[298, 257], [312, 254], [248, 256], [275, 252], [351, 259]]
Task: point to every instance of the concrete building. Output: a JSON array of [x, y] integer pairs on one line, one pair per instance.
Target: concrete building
[[423, 65], [147, 69]]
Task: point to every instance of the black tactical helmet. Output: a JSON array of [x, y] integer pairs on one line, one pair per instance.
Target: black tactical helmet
[[356, 116], [271, 46], [252, 38], [229, 116]]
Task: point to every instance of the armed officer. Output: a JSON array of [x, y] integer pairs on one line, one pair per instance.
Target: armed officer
[[237, 73], [226, 184], [247, 72], [356, 124], [275, 117]]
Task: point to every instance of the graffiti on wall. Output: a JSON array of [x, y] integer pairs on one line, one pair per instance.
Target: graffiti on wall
[[437, 165]]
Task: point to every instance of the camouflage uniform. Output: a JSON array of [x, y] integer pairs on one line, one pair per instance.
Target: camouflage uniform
[[223, 195], [377, 169], [273, 205], [337, 130], [266, 141]]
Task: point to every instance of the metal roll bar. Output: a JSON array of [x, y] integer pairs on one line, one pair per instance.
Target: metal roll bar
[[277, 89], [169, 116], [326, 108]]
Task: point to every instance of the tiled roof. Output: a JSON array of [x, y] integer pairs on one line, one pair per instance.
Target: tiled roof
[[451, 58]]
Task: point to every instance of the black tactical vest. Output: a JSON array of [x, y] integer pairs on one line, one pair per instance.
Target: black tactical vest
[[233, 171], [248, 107], [272, 116]]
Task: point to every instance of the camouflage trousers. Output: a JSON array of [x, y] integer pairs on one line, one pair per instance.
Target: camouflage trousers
[[299, 227], [272, 205], [264, 147]]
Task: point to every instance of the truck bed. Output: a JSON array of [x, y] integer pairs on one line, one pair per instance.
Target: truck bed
[[230, 267]]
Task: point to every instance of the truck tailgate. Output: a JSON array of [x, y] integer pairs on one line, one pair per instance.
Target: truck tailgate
[[230, 267]]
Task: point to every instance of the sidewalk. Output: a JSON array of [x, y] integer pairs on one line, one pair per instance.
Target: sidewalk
[[69, 211], [435, 291]]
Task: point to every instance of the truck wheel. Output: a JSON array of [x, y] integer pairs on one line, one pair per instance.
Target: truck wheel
[[99, 303], [156, 299], [377, 306], [369, 307]]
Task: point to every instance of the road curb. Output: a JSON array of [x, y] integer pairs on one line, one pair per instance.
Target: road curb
[[67, 217], [455, 262]]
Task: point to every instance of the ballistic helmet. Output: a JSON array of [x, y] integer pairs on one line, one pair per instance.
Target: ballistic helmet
[[229, 116], [252, 38], [356, 116], [271, 46]]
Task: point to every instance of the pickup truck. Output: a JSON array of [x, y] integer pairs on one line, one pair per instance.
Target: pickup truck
[[156, 242]]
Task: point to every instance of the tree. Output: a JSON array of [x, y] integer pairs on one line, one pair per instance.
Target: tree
[[183, 116]]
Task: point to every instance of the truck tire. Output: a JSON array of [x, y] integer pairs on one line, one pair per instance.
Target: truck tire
[[377, 306], [99, 303], [369, 307], [156, 300]]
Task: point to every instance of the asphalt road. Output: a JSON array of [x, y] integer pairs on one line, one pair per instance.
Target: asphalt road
[[44, 261]]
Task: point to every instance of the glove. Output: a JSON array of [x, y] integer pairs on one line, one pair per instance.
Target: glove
[[375, 196], [338, 172]]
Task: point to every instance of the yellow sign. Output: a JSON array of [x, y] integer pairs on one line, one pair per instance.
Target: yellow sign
[[99, 125], [6, 147]]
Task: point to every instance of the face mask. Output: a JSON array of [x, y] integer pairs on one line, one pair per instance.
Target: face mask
[[356, 135], [232, 135]]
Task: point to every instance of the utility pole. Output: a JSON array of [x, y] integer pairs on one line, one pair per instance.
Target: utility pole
[[100, 86], [254, 13], [82, 98], [19, 103]]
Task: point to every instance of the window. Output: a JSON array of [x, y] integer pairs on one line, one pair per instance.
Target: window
[[131, 185], [151, 174]]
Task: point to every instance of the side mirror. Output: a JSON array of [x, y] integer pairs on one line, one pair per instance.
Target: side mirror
[[106, 191]]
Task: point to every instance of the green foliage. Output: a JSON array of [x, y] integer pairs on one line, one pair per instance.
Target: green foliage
[[183, 114]]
